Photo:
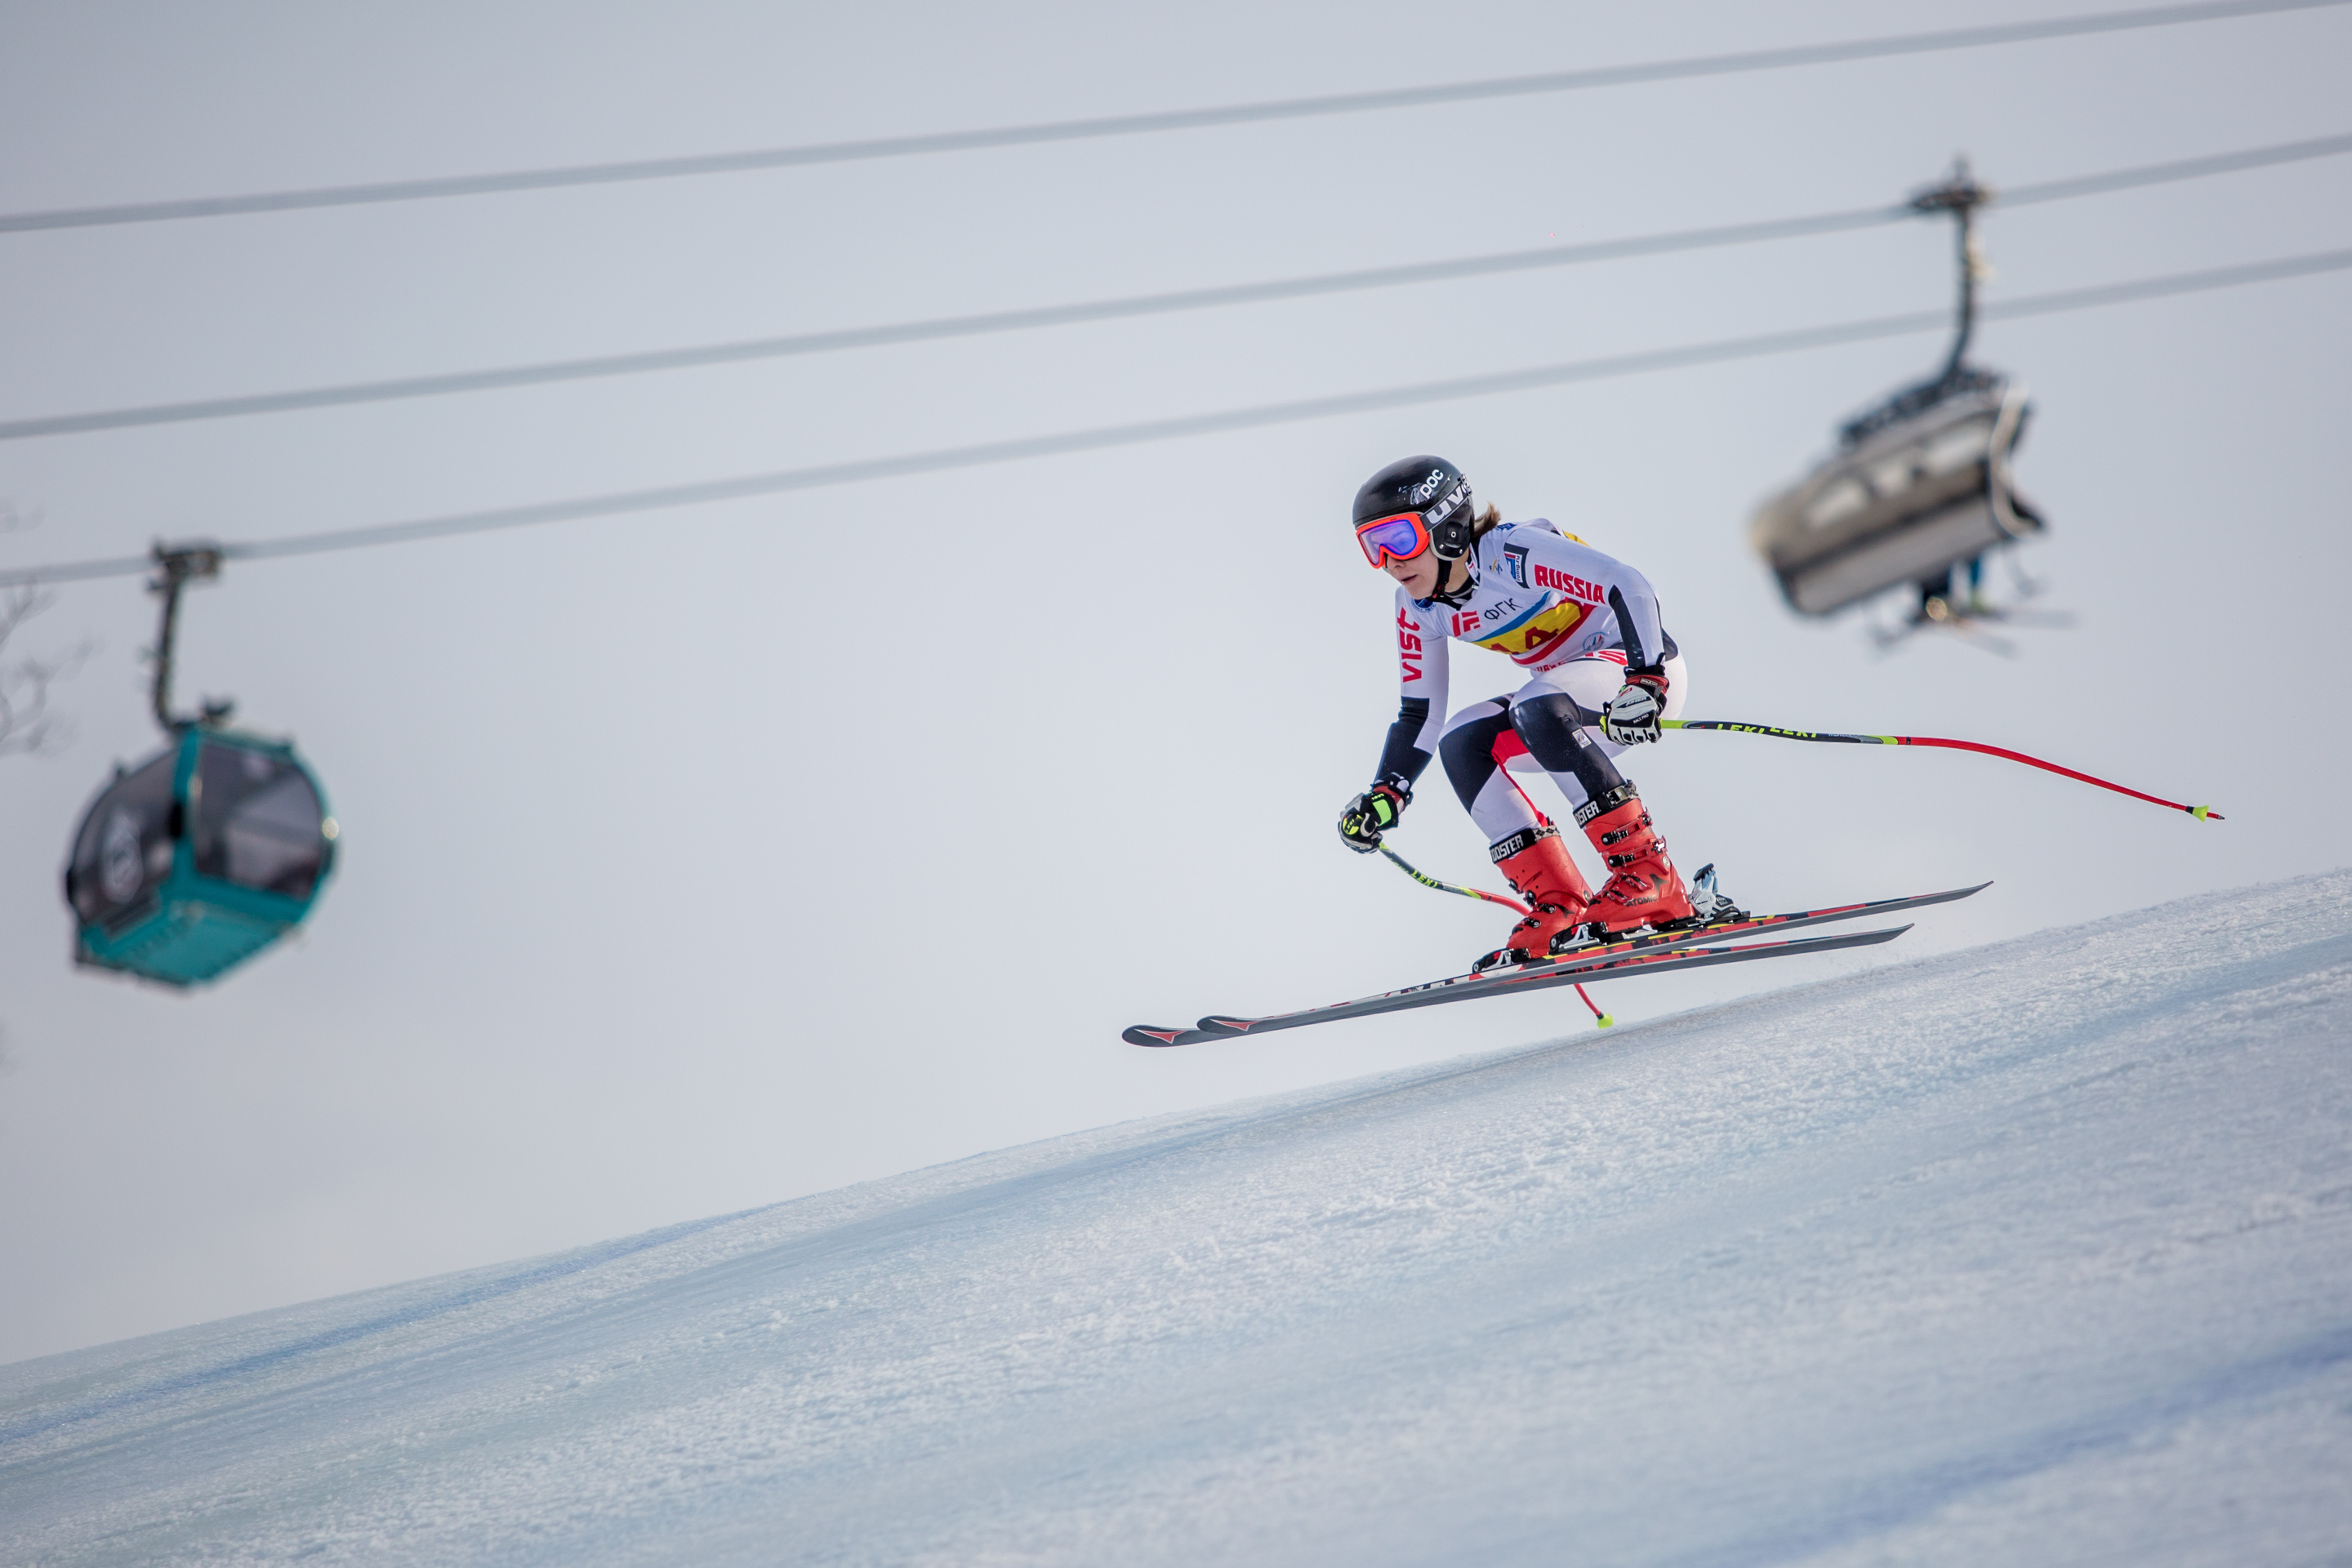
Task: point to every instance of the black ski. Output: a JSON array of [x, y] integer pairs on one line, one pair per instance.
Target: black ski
[[1743, 925], [1694, 949]]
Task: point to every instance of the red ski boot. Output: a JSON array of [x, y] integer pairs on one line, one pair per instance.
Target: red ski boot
[[1643, 888], [1535, 863]]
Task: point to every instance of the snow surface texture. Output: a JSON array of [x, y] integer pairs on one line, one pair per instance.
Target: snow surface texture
[[2038, 1253]]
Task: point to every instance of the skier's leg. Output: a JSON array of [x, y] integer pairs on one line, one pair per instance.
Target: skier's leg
[[1524, 846], [1561, 735], [1471, 766], [1556, 715]]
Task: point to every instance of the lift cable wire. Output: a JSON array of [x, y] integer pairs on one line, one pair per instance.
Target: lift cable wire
[[1152, 430], [1135, 305], [1173, 119]]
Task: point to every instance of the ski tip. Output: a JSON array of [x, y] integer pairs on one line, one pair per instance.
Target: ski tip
[[1145, 1034], [1953, 896]]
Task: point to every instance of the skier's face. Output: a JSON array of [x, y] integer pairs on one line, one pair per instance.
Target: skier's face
[[1419, 574]]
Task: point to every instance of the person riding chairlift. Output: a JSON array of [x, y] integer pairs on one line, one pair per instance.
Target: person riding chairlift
[[1599, 674]]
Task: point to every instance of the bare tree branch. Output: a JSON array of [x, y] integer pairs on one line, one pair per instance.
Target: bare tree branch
[[26, 724]]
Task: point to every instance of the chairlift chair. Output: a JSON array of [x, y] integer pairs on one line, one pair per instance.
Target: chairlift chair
[[206, 852], [1920, 483]]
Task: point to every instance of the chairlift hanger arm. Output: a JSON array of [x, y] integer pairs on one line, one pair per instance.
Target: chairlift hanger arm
[[1959, 195]]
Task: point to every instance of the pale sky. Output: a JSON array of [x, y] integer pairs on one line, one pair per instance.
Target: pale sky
[[705, 858]]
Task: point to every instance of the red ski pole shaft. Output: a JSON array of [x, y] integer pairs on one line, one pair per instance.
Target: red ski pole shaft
[[2201, 812]]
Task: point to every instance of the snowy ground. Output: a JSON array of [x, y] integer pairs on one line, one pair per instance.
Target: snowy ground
[[2038, 1253]]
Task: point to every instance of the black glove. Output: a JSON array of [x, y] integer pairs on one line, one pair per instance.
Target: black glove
[[1374, 813], [1631, 717]]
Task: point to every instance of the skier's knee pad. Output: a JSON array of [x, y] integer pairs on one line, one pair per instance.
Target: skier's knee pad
[[1553, 727]]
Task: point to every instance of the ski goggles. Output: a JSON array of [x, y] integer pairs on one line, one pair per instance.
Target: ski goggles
[[1398, 538]]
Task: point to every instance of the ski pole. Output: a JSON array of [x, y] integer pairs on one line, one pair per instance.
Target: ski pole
[[1600, 1020], [1401, 864], [2201, 812]]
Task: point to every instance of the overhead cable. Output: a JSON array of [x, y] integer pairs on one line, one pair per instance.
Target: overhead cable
[[992, 321], [1173, 119], [1222, 422], [2161, 173]]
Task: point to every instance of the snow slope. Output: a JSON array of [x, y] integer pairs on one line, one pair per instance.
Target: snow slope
[[2037, 1252]]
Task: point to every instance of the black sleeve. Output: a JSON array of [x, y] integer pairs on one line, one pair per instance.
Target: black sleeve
[[1628, 637], [1402, 756]]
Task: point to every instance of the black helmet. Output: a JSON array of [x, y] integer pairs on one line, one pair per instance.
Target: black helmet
[[1430, 487]]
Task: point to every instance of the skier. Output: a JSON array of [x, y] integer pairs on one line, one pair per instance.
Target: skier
[[1600, 674]]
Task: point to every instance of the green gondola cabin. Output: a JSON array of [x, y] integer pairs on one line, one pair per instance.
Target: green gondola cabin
[[196, 859], [211, 850]]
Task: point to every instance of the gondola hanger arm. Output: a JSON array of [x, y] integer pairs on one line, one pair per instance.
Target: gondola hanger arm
[[176, 566]]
